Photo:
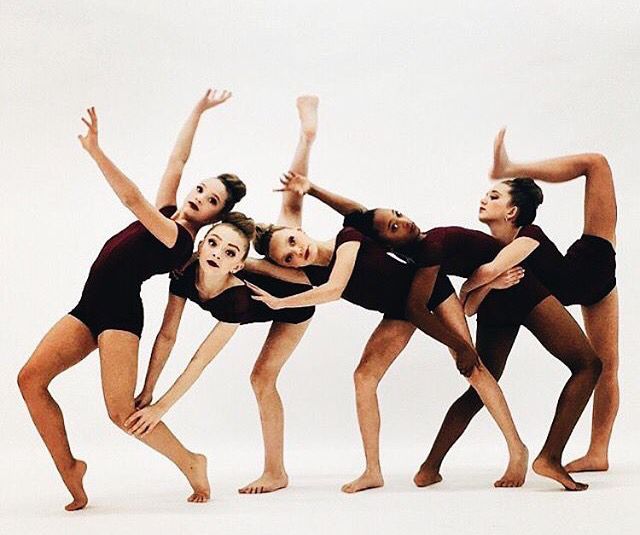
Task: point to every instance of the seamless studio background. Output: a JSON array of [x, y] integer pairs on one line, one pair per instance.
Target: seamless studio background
[[411, 95]]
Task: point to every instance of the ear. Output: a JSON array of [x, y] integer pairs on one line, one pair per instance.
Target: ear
[[200, 246], [512, 213], [239, 267]]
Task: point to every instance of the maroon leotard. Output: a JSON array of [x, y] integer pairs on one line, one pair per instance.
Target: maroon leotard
[[378, 281], [584, 276], [235, 305], [111, 296], [460, 251]]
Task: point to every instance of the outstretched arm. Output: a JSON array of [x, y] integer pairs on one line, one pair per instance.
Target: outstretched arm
[[264, 267], [325, 293], [510, 256], [144, 420], [162, 347], [160, 226], [180, 154]]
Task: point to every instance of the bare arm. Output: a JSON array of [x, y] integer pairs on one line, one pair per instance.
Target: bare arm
[[264, 267], [182, 149], [510, 256], [163, 228], [474, 299], [325, 293], [144, 420], [162, 347]]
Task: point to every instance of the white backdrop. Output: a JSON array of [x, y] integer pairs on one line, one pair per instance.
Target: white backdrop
[[411, 95]]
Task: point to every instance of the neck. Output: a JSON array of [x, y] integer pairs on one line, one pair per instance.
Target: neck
[[504, 231], [192, 227], [212, 284], [325, 251]]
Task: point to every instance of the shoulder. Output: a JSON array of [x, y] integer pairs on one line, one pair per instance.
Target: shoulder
[[184, 286], [349, 234], [532, 231]]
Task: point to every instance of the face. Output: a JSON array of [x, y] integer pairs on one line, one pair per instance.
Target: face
[[291, 247], [206, 201], [223, 250], [394, 228], [496, 205]]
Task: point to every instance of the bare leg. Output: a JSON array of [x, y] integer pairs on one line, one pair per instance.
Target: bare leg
[[67, 343], [494, 345], [281, 341], [451, 314], [558, 332], [118, 368], [385, 344], [601, 325]]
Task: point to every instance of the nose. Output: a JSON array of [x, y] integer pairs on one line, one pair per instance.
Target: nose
[[301, 251]]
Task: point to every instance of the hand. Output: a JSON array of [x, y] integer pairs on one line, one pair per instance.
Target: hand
[[90, 140], [212, 99], [143, 399], [143, 421], [295, 183], [509, 278], [466, 360], [265, 297]]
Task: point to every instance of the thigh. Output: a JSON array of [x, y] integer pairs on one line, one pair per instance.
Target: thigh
[[451, 314], [559, 333], [386, 342], [281, 341], [494, 344], [68, 342], [118, 368], [600, 210], [601, 326]]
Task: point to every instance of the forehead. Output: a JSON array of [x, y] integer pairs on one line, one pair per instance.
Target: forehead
[[381, 216], [228, 233], [215, 185], [502, 188]]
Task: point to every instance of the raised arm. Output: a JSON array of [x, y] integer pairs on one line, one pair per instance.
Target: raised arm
[[144, 420], [325, 293], [163, 228], [162, 347], [510, 256], [182, 149]]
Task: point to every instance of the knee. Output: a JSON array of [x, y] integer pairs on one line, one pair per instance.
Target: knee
[[598, 161], [118, 413], [262, 380], [29, 380], [365, 380], [591, 365]]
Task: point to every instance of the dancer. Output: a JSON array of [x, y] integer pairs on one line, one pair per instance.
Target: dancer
[[454, 250], [354, 267], [281, 341], [109, 314], [585, 275], [213, 282]]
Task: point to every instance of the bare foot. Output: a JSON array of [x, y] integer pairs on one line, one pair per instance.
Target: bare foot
[[588, 463], [501, 162], [308, 112], [266, 483], [73, 480], [368, 480], [197, 475], [516, 472], [427, 476], [554, 470]]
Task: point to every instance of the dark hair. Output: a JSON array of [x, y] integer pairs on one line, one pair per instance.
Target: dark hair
[[262, 239], [526, 195], [362, 221], [241, 223], [235, 187]]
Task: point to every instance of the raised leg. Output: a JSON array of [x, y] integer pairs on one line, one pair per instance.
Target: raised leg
[[118, 369], [385, 344], [452, 316], [67, 343], [281, 341], [601, 325], [494, 345], [558, 332]]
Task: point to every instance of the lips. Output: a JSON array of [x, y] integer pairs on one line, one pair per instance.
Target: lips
[[212, 263], [194, 206]]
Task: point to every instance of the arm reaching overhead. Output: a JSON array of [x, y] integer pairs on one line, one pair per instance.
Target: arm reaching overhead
[[163, 228], [143, 421], [162, 347], [182, 149], [331, 290], [510, 256]]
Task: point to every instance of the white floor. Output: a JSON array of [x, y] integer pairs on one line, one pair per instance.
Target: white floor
[[151, 499]]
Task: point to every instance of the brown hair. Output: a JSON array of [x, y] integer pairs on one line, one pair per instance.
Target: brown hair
[[526, 195], [242, 224], [236, 190], [262, 240]]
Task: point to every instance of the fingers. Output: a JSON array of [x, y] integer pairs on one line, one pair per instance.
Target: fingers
[[132, 418], [256, 289]]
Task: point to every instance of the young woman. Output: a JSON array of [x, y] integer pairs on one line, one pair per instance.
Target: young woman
[[109, 314], [585, 275], [281, 341], [458, 251], [213, 283], [356, 268]]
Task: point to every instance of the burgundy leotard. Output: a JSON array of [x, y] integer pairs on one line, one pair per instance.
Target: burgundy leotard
[[378, 282], [460, 251], [111, 296], [585, 275], [235, 305]]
